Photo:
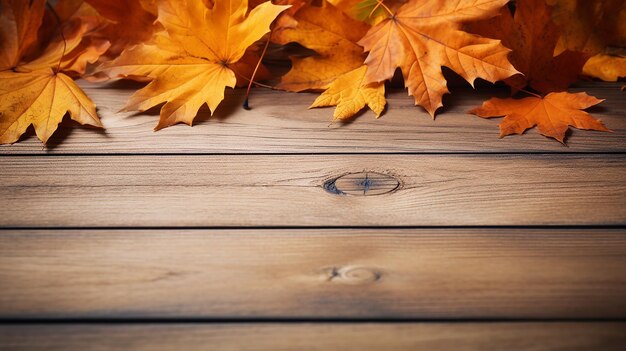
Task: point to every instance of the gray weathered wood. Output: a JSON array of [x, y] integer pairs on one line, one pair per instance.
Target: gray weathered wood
[[232, 190], [338, 273], [310, 337], [281, 123]]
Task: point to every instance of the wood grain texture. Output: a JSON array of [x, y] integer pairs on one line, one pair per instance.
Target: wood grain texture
[[232, 190], [340, 273], [281, 123], [317, 337]]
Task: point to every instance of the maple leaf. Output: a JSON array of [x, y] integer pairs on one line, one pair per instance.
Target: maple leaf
[[19, 21], [338, 63], [121, 22], [590, 25], [606, 67], [533, 36], [422, 36], [595, 27], [191, 63], [332, 35], [39, 91], [350, 95], [552, 114], [130, 22]]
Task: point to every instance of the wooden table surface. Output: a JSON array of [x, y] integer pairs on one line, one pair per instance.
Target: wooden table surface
[[270, 229]]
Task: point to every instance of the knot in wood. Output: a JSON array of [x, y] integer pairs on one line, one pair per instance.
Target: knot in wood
[[352, 275], [362, 184]]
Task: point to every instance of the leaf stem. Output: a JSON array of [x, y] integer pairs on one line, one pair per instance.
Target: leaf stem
[[58, 19], [252, 81], [531, 93], [258, 64]]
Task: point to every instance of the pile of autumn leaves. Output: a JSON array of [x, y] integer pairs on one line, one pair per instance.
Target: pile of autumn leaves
[[189, 51]]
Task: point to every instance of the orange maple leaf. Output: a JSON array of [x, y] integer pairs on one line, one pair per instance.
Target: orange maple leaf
[[422, 36], [191, 62], [332, 35], [552, 114], [532, 35], [34, 85], [337, 66]]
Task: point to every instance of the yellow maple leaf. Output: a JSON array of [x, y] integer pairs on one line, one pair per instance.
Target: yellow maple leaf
[[351, 95], [609, 68], [40, 92], [191, 62], [422, 36]]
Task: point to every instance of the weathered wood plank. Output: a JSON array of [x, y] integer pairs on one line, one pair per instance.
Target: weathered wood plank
[[327, 337], [340, 273], [435, 190], [281, 123]]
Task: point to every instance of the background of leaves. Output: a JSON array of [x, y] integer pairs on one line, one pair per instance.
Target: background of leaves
[[189, 51]]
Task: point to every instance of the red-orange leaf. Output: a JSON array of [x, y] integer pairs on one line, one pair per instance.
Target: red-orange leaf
[[533, 36], [552, 115]]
